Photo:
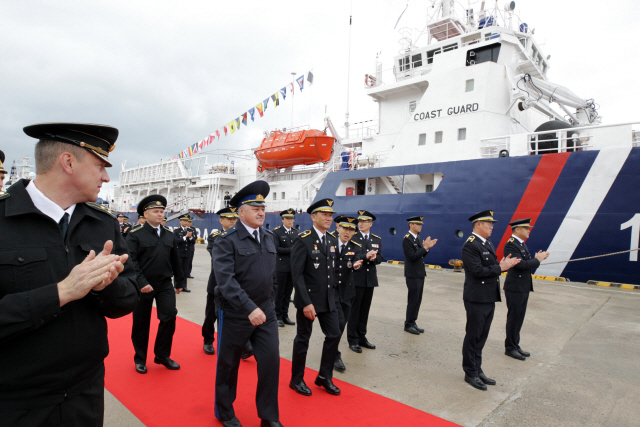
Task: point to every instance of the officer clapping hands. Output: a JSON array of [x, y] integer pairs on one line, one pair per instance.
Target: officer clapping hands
[[428, 243], [94, 273], [508, 262], [541, 256]]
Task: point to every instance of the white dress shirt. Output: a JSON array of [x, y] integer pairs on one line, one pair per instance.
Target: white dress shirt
[[251, 230], [480, 237], [46, 205]]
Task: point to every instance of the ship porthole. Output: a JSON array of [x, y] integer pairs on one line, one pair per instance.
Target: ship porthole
[[459, 234], [267, 226], [297, 226], [392, 231]]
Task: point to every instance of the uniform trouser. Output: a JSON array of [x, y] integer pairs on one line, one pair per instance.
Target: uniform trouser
[[329, 325], [165, 297], [184, 265], [415, 285], [283, 294], [234, 330], [210, 316], [83, 410], [479, 317], [343, 315], [359, 316], [190, 266], [517, 306]]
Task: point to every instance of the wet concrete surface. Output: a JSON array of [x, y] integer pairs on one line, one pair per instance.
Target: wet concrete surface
[[583, 370]]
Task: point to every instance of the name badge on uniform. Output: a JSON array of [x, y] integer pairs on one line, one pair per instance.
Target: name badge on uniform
[[485, 253], [316, 265]]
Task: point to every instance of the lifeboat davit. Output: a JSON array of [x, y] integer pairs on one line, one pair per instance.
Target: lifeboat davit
[[282, 149]]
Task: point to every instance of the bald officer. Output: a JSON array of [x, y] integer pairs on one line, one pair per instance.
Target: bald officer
[[481, 291], [518, 284], [244, 257], [415, 250], [65, 270]]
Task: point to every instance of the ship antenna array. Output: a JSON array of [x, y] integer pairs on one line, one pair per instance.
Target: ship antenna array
[[346, 121]]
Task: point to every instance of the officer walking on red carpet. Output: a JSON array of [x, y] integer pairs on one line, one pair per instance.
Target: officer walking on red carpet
[[518, 284], [481, 291], [228, 218], [350, 257], [65, 269], [155, 257], [365, 280], [314, 254], [244, 257], [184, 236], [414, 271], [285, 235]]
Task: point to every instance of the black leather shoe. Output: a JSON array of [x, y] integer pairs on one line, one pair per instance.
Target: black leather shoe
[[515, 354], [485, 379], [300, 388], [234, 422], [288, 321], [366, 344], [355, 347], [167, 363], [208, 349], [190, 277], [266, 423], [524, 353], [280, 323], [186, 290], [327, 384], [247, 352], [412, 330], [338, 365], [418, 329], [475, 382], [141, 368]]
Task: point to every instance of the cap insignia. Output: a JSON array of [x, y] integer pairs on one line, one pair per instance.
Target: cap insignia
[[350, 219], [361, 212], [233, 209], [491, 212], [330, 203], [260, 198]]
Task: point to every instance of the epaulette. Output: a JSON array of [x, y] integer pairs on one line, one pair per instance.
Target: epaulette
[[215, 233], [277, 227], [228, 232], [471, 239], [268, 231], [4, 195], [100, 208], [305, 234], [331, 232], [376, 236], [407, 235], [511, 240], [135, 229], [355, 243], [166, 228]]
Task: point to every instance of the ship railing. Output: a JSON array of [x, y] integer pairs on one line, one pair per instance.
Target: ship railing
[[363, 130], [562, 140]]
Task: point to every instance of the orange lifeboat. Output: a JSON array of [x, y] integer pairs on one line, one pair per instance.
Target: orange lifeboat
[[282, 149]]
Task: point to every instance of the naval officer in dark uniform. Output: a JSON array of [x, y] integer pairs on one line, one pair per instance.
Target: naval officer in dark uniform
[[155, 256], [365, 280], [313, 255], [64, 268], [228, 218], [481, 291], [518, 284], [414, 272], [141, 221], [349, 258], [244, 257], [183, 236], [285, 235], [125, 226], [192, 247]]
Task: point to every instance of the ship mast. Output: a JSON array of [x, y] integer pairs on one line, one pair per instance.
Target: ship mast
[[346, 120]]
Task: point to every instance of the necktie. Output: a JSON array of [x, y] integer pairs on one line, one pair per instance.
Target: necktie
[[64, 225], [255, 235], [158, 231], [342, 245]]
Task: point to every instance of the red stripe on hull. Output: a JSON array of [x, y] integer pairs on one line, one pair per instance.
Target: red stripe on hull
[[537, 192]]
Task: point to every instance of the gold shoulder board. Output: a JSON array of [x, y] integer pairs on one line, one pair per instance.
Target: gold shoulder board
[[305, 234], [355, 243], [471, 239], [101, 208], [376, 236]]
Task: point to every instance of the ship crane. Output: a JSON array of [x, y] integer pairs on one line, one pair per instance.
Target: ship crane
[[531, 92]]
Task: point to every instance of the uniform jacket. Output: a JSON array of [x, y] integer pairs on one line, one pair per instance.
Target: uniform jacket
[[343, 274], [122, 228], [414, 254], [154, 257], [47, 351], [310, 259], [481, 271], [284, 242], [181, 243], [211, 285], [244, 268], [367, 275], [519, 276], [193, 240]]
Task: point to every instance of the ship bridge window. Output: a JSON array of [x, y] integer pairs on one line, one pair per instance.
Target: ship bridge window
[[416, 60], [450, 47], [431, 54], [482, 54], [404, 63], [390, 185]]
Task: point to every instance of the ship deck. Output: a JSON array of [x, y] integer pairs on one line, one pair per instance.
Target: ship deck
[[584, 342]]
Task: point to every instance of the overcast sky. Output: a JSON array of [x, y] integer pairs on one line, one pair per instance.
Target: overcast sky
[[167, 74]]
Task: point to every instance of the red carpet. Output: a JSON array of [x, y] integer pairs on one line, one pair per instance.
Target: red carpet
[[185, 397]]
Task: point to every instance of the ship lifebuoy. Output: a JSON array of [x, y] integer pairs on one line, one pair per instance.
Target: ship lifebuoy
[[260, 168]]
